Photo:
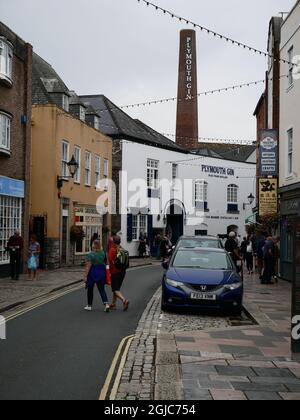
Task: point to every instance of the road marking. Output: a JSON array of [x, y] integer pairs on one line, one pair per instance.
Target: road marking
[[52, 297], [115, 388], [42, 303], [112, 370]]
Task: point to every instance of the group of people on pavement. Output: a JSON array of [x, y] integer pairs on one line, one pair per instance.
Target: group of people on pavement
[[107, 268], [15, 248], [261, 253]]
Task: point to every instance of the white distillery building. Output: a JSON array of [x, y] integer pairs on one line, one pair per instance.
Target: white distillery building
[[161, 187]]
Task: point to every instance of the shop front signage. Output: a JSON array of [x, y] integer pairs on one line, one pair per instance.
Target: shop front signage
[[268, 153], [12, 187], [268, 197]]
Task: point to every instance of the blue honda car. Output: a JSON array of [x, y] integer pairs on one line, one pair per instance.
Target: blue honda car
[[202, 278]]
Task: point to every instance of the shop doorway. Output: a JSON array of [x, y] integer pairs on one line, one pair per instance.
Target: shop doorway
[[65, 242], [38, 229], [175, 222]]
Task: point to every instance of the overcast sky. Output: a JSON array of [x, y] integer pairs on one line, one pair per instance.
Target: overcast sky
[[129, 52]]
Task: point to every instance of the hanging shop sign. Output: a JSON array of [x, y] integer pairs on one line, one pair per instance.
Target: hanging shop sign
[[268, 197], [268, 153]]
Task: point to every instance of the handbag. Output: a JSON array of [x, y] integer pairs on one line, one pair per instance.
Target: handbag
[[32, 263], [108, 276]]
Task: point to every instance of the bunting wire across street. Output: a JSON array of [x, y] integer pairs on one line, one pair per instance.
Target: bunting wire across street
[[213, 33]]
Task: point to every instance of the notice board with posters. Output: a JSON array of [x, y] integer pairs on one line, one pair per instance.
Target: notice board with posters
[[268, 153], [296, 293], [268, 196]]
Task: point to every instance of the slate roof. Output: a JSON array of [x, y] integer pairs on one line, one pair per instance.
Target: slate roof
[[45, 81], [119, 125], [233, 152]]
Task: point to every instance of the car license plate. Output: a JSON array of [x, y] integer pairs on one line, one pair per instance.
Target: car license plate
[[203, 296]]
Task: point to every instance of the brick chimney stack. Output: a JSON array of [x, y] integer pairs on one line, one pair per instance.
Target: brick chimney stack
[[187, 106]]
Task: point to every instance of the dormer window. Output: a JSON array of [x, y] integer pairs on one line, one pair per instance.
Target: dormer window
[[66, 103], [6, 58], [97, 123], [82, 113]]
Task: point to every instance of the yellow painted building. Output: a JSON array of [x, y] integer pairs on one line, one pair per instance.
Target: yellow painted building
[[56, 137]]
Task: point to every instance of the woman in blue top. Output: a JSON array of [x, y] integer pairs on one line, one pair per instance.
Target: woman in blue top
[[34, 251], [96, 275]]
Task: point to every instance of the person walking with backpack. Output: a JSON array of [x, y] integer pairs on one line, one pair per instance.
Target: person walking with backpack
[[96, 275], [119, 263]]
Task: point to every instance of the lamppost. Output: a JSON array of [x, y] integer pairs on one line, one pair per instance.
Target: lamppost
[[73, 168], [251, 199]]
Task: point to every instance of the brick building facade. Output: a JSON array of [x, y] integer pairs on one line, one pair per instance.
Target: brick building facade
[[15, 138]]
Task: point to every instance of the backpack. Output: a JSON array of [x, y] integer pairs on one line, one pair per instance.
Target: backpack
[[122, 259]]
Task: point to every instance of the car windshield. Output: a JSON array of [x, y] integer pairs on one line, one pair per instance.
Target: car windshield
[[206, 260], [200, 243]]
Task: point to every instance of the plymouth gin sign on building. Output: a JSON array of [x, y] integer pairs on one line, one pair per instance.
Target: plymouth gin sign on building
[[268, 153]]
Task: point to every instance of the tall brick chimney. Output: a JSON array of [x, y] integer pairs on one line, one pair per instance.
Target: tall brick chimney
[[187, 106]]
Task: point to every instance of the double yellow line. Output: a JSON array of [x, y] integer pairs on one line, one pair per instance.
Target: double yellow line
[[111, 385], [42, 303]]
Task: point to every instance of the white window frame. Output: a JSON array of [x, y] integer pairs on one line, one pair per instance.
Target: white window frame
[[5, 132], [65, 158], [6, 59], [77, 155], [97, 170], [233, 194], [66, 102], [174, 171], [201, 191], [91, 222], [291, 67], [82, 113], [290, 152], [139, 225], [88, 168], [152, 174], [10, 221], [106, 173], [97, 123]]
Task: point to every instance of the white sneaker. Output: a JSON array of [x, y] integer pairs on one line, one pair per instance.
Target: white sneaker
[[107, 308], [88, 308]]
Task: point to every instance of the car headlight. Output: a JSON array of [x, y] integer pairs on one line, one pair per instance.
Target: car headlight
[[233, 286], [174, 283]]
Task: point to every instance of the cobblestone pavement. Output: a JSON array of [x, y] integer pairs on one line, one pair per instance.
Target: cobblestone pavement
[[205, 358], [14, 293]]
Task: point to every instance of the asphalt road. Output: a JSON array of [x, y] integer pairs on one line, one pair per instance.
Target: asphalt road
[[60, 352]]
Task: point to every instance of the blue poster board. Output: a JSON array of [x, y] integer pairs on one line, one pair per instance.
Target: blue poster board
[[269, 153], [12, 187]]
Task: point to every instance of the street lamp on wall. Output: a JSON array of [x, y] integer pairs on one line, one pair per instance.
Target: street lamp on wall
[[251, 199], [73, 166]]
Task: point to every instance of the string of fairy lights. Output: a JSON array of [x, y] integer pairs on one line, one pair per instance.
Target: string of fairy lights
[[152, 136], [173, 99], [212, 32]]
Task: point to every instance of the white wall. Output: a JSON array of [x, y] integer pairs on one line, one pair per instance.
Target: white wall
[[290, 99], [135, 163]]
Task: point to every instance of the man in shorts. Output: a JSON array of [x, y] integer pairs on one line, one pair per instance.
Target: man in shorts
[[117, 275]]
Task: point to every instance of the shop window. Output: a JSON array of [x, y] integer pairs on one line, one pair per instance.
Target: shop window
[[139, 226], [91, 222], [10, 221]]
